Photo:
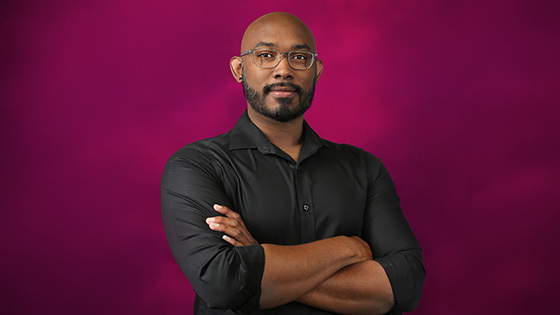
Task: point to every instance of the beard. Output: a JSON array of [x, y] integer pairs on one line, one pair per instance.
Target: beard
[[284, 112]]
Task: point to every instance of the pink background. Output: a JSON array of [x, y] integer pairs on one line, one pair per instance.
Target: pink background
[[459, 98]]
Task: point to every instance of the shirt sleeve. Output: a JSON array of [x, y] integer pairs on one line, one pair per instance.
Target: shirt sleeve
[[393, 243], [225, 277]]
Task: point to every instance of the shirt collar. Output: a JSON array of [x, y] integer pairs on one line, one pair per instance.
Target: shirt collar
[[246, 135]]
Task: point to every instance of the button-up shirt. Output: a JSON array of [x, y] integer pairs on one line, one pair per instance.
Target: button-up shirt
[[331, 190]]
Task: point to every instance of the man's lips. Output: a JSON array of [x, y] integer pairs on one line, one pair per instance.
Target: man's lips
[[282, 92], [282, 89]]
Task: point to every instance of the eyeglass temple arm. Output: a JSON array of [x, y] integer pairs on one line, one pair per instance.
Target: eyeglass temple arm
[[250, 51]]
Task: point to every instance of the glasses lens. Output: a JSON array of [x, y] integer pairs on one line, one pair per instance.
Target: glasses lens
[[269, 58], [266, 58], [300, 59]]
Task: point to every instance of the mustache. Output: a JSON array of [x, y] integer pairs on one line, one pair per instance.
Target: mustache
[[298, 89]]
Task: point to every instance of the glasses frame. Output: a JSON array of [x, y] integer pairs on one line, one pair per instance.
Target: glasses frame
[[280, 54]]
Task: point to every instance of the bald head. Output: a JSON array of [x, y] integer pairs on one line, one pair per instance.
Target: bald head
[[275, 29], [279, 92]]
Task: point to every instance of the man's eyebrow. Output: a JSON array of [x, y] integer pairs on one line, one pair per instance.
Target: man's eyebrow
[[301, 46], [294, 46]]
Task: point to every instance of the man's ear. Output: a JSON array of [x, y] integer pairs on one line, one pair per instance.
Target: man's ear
[[235, 64], [319, 63]]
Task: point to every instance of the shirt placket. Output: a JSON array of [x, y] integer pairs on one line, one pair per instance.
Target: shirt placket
[[305, 205]]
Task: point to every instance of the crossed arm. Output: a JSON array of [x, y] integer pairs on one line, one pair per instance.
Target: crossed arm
[[335, 274]]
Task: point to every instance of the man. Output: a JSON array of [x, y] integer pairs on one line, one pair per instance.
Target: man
[[271, 219]]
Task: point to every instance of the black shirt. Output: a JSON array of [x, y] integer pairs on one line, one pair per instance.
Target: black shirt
[[333, 189]]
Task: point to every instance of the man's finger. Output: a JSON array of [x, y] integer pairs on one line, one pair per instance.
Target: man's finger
[[221, 209], [224, 220], [238, 234], [228, 213], [232, 232], [231, 241], [233, 236]]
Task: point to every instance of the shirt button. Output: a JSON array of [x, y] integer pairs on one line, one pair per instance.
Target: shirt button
[[305, 207]]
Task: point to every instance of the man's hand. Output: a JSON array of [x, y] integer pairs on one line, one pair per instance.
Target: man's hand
[[363, 249], [236, 232]]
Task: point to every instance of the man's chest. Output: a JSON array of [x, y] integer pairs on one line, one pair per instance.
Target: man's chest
[[284, 203]]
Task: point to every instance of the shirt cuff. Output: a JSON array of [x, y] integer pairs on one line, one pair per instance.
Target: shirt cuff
[[406, 274], [251, 270]]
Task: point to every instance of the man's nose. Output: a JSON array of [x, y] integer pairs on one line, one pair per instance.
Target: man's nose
[[283, 69]]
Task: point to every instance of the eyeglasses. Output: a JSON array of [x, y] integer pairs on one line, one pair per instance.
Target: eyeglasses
[[270, 58]]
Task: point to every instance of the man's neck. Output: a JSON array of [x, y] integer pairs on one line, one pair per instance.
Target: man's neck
[[285, 135]]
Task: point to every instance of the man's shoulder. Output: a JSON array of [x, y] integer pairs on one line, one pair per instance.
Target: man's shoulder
[[353, 157], [350, 150], [203, 149]]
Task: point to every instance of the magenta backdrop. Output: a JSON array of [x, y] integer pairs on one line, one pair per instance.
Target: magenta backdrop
[[459, 98]]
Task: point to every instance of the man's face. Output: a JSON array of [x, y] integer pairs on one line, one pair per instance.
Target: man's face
[[286, 107], [281, 93]]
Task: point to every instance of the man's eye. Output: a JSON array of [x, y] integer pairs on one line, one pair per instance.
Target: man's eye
[[265, 55], [299, 57]]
